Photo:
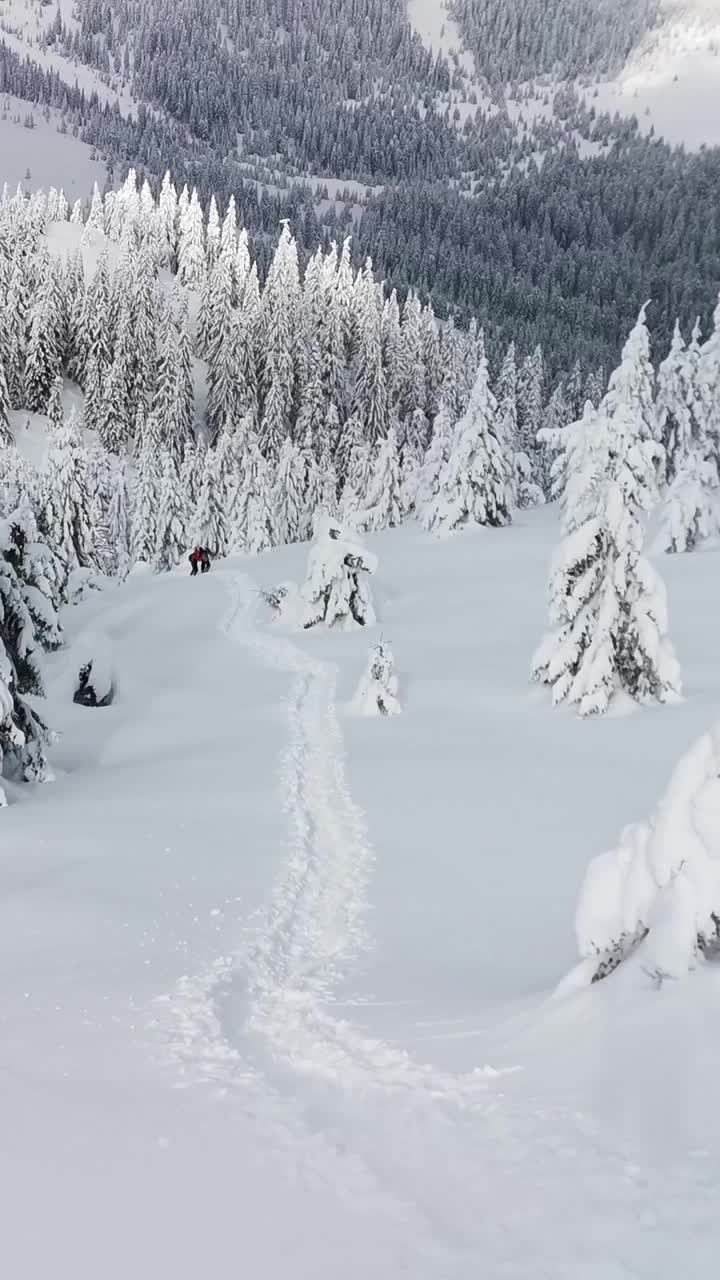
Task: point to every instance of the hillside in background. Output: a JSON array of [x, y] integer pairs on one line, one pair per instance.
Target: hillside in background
[[343, 117]]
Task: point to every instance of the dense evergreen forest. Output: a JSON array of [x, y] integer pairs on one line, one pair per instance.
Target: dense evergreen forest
[[553, 231], [185, 404]]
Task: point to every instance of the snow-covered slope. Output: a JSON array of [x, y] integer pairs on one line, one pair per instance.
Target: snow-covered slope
[[324, 927], [673, 80], [41, 157]]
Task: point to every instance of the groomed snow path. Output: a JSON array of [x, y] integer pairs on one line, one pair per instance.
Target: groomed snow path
[[207, 1067]]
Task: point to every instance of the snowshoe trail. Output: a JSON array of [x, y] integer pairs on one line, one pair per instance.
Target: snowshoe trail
[[460, 1170]]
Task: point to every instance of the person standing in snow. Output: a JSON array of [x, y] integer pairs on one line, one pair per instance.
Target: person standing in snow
[[205, 559], [196, 559]]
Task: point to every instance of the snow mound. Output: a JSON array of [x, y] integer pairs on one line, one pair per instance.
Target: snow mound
[[657, 896]]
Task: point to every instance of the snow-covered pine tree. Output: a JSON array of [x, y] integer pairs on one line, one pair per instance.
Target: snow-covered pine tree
[[42, 363], [95, 334], [632, 386], [312, 488], [673, 405], [691, 510], [531, 382], [100, 473], [119, 523], [522, 492], [168, 218], [434, 463], [192, 472], [146, 502], [171, 536], [377, 693], [40, 574], [281, 310], [110, 409], [6, 435], [69, 500], [289, 494], [708, 386], [23, 736], [255, 527], [474, 484], [217, 304], [412, 390], [210, 521], [336, 591], [370, 397], [191, 244], [55, 410], [382, 504], [607, 604], [226, 384], [212, 245]]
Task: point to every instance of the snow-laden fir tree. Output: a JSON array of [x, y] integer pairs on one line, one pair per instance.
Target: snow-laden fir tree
[[336, 591], [289, 494], [691, 508], [312, 488], [523, 488], [370, 397], [40, 573], [474, 484], [210, 521], [23, 736], [434, 463], [708, 386], [68, 514], [55, 409], [530, 399], [281, 322], [6, 435], [119, 523], [673, 405], [171, 536], [42, 362], [191, 244], [608, 611], [100, 472], [382, 504], [146, 503], [255, 526], [377, 692], [192, 472]]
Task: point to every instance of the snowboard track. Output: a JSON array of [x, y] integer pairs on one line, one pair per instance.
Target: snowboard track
[[368, 1117]]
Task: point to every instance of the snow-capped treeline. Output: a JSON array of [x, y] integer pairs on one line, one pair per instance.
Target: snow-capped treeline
[[220, 411], [321, 391]]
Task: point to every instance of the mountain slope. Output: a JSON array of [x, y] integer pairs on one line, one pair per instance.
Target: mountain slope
[[224, 837], [672, 79]]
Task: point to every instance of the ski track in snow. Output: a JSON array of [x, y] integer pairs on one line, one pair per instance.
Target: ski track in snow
[[454, 1165]]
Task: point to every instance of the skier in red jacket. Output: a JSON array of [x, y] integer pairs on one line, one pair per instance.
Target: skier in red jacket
[[196, 559]]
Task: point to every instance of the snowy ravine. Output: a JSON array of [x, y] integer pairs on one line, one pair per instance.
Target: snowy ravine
[[237, 887]]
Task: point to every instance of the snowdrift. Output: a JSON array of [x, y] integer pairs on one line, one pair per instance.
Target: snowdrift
[[656, 898]]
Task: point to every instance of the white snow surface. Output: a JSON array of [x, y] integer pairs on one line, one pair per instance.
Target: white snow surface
[[53, 159], [672, 80], [275, 978]]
